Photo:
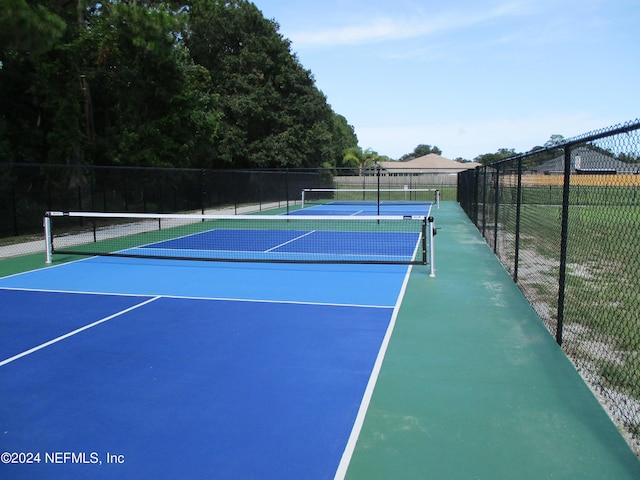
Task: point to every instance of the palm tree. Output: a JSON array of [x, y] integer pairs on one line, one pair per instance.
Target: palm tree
[[355, 156]]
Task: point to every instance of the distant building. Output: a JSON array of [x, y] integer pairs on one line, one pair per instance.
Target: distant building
[[586, 161], [427, 164], [428, 171]]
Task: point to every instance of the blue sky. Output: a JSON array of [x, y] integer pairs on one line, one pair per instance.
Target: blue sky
[[469, 76]]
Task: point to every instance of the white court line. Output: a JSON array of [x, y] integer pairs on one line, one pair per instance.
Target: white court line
[[341, 472], [287, 302], [76, 292], [290, 241], [214, 299], [70, 334]]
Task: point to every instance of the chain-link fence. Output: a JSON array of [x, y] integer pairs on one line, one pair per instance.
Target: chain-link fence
[[27, 191], [565, 222]]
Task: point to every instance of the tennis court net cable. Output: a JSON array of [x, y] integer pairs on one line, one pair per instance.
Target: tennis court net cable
[[406, 240]]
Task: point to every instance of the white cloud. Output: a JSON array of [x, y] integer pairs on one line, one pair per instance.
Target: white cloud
[[390, 28], [376, 30]]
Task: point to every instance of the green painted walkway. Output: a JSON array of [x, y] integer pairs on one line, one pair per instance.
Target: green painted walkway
[[474, 387]]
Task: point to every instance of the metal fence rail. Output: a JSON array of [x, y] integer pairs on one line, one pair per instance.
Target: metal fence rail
[[565, 222]]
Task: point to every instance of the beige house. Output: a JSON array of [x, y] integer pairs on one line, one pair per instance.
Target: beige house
[[431, 163], [428, 171]]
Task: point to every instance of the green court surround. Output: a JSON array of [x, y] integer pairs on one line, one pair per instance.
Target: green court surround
[[473, 386]]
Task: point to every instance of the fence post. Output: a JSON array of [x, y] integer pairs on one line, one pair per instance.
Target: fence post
[[496, 209], [203, 192], [516, 256], [159, 190], [287, 188], [144, 197], [234, 191], [484, 202], [563, 242], [14, 207], [476, 195], [104, 195], [125, 192]]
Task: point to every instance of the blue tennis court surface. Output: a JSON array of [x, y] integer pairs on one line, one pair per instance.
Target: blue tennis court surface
[[276, 244], [187, 388], [147, 368], [367, 208]]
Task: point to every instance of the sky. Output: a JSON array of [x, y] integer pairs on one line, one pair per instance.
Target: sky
[[468, 76]]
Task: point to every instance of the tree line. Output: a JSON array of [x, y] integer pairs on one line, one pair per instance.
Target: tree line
[[193, 83]]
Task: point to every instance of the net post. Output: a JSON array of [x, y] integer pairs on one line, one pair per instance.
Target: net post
[[378, 175], [302, 199], [48, 240], [424, 240], [432, 267], [437, 199], [203, 194]]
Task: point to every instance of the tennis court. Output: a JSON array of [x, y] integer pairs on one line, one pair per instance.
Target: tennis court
[[126, 367], [168, 368]]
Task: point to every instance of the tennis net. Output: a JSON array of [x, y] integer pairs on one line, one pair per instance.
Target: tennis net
[[381, 196], [242, 238]]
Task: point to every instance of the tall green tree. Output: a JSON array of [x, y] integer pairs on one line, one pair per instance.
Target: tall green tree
[[501, 154], [138, 80], [27, 33], [273, 114], [27, 28], [116, 87], [206, 83], [343, 138], [420, 151]]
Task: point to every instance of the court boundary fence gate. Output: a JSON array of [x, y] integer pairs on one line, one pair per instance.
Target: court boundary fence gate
[[564, 220]]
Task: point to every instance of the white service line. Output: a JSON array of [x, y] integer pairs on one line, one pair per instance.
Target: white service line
[[70, 334], [201, 298], [290, 241]]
